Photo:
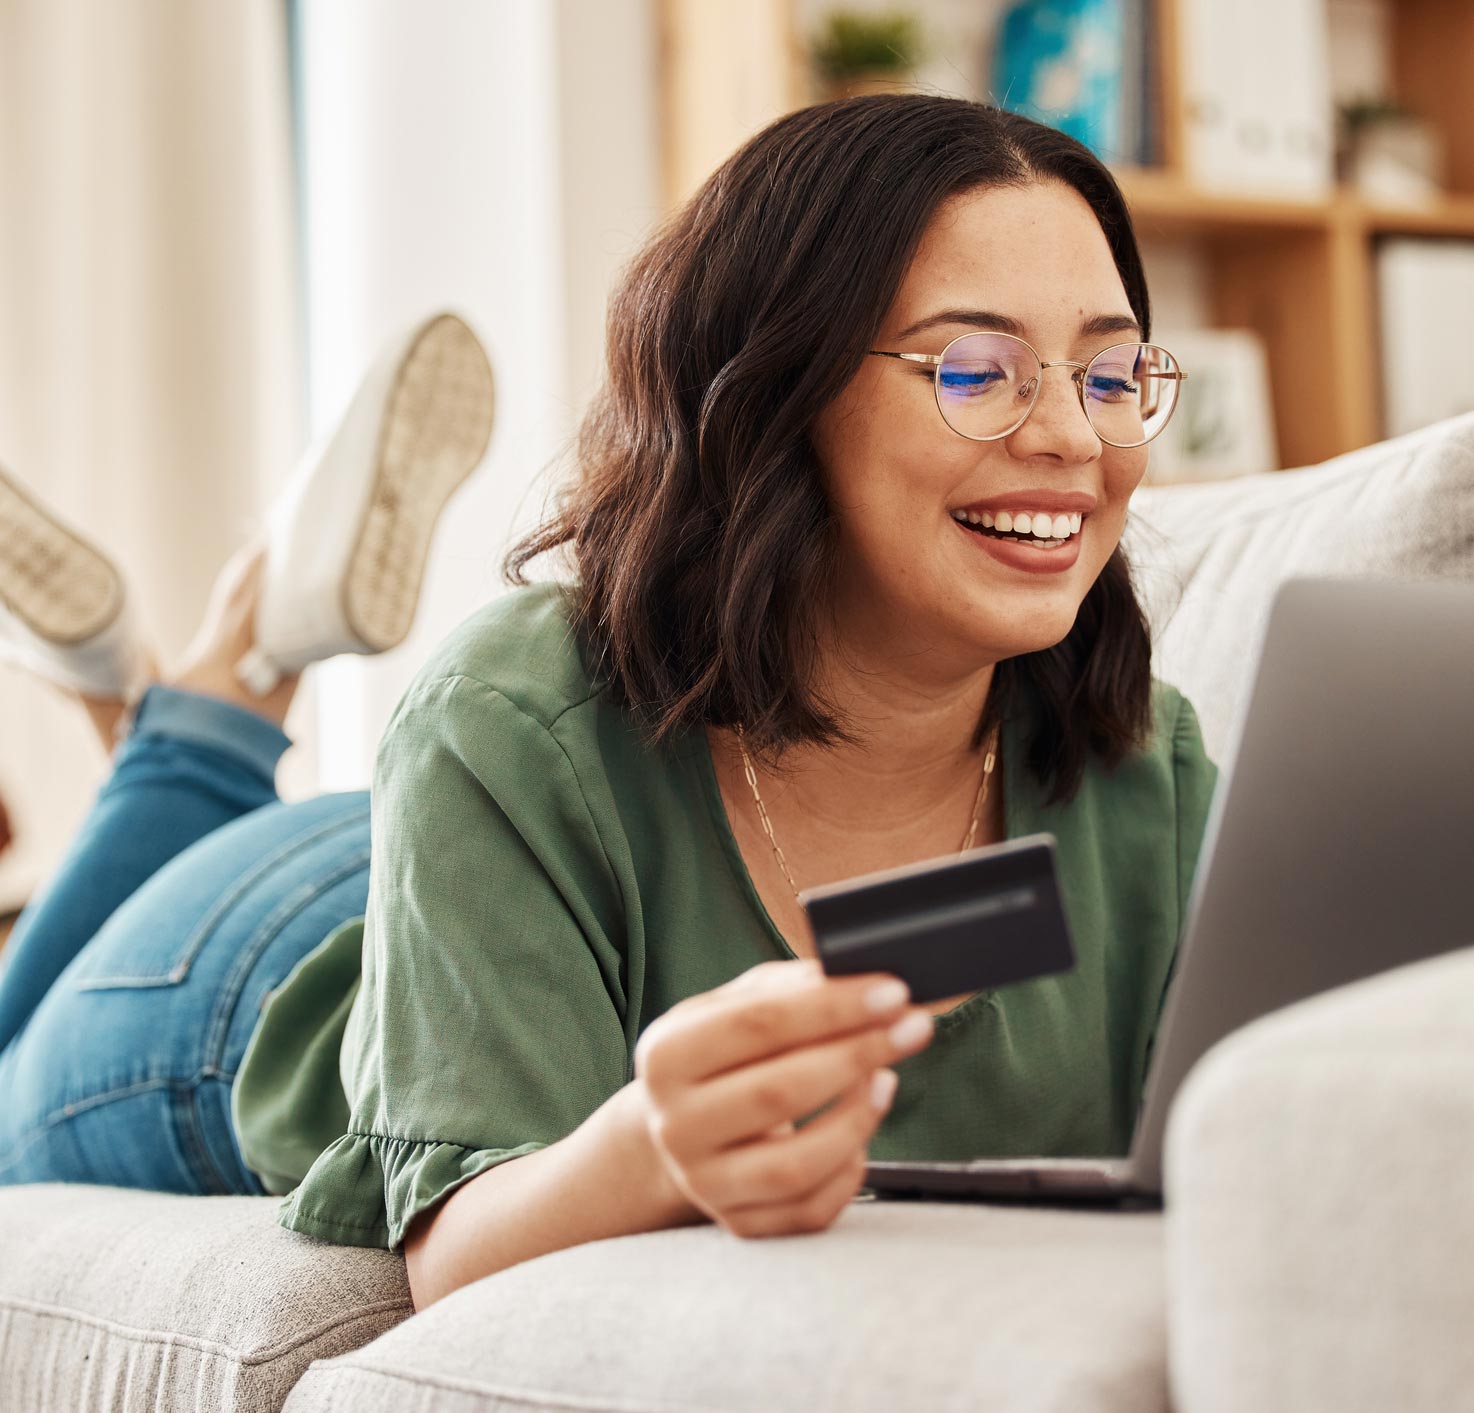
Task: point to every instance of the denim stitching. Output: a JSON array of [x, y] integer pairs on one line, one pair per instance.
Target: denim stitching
[[199, 936], [252, 1186], [12, 1155], [228, 994], [183, 1113], [70, 1110], [184, 1108]]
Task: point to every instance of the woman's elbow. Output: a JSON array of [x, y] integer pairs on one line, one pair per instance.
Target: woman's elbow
[[427, 1281]]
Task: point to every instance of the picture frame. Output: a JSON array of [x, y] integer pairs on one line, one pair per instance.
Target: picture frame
[[1223, 425]]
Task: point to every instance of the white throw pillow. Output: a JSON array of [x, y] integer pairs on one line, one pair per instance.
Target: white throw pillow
[[1208, 558]]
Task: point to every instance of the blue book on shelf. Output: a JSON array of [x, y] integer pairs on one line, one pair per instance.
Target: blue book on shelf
[[1078, 66]]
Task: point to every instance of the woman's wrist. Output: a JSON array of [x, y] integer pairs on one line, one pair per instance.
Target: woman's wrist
[[603, 1180], [635, 1153]]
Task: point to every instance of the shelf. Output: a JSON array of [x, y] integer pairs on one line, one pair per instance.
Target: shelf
[[1299, 272], [1164, 205], [1452, 216]]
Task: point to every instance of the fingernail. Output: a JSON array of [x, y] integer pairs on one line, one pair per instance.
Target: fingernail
[[883, 1087], [911, 1030], [887, 995]]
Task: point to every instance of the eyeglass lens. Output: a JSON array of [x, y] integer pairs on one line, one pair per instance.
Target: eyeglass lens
[[987, 383]]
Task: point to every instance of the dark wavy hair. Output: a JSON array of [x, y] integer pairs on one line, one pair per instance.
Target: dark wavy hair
[[703, 539]]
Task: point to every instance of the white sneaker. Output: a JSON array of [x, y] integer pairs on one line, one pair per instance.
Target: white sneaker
[[348, 538], [64, 611]]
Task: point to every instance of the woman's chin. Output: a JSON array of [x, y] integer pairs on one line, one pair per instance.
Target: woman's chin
[[1035, 627]]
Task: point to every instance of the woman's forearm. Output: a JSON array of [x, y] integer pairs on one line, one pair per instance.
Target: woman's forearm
[[604, 1179]]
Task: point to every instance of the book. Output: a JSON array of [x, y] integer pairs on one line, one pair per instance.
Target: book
[[1080, 66], [1425, 297], [1223, 424], [1259, 116]]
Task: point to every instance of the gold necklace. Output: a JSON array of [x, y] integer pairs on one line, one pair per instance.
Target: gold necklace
[[972, 829]]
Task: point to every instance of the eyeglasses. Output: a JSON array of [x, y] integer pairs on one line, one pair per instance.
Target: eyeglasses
[[986, 386]]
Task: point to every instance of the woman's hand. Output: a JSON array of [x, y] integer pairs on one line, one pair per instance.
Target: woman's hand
[[705, 1130], [724, 1074]]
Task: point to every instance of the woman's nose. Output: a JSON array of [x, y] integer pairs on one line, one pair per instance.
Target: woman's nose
[[1057, 425]]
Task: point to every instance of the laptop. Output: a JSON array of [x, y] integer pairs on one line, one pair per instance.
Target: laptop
[[1338, 844]]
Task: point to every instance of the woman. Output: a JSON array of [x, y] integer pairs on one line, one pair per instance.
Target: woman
[[801, 635]]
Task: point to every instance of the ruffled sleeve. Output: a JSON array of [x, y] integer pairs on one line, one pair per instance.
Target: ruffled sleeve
[[491, 1018]]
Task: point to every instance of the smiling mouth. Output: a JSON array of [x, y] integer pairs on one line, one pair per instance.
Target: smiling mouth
[[1034, 540]]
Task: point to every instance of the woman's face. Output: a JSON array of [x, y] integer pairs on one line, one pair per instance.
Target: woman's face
[[1032, 261]]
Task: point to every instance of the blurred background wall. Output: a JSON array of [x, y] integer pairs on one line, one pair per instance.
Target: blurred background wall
[[148, 342], [211, 214], [499, 159], [209, 218]]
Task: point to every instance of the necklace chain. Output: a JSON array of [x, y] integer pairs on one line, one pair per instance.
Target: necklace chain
[[762, 810]]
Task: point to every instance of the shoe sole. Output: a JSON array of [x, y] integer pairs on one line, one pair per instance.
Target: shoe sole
[[437, 426], [63, 588]]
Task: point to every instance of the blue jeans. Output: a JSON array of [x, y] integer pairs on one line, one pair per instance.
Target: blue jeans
[[132, 982]]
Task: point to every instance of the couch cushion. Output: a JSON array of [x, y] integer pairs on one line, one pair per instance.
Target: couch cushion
[[1320, 1214], [114, 1299], [1208, 557], [898, 1305]]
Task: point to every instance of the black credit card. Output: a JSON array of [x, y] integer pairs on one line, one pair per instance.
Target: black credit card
[[979, 920]]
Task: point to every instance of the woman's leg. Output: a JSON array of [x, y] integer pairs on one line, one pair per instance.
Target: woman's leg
[[123, 1074], [191, 764], [201, 753]]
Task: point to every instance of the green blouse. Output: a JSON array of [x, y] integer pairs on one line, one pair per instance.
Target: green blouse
[[544, 885]]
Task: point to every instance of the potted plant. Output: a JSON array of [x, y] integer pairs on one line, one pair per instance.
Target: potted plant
[[857, 53], [1390, 154]]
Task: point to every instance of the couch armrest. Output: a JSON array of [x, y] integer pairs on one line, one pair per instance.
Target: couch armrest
[[1320, 1209], [117, 1299], [897, 1306]]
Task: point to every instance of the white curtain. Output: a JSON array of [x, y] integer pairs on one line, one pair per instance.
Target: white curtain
[[500, 157], [497, 156], [148, 377]]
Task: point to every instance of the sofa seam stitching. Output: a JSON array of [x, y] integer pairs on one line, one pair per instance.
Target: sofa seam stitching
[[538, 1398], [172, 1339]]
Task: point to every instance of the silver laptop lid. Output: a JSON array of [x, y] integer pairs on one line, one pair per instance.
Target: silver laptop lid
[[1340, 838]]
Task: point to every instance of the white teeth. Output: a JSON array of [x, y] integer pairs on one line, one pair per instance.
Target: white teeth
[[1042, 526]]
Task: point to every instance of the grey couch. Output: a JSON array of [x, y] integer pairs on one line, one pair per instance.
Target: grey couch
[[1314, 1253]]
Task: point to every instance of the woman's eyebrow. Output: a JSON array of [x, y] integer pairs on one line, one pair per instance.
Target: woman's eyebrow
[[1005, 324]]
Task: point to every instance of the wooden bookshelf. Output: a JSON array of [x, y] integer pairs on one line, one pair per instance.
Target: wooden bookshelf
[[1300, 273]]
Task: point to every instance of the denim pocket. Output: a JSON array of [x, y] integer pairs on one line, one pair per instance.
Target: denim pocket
[[157, 935]]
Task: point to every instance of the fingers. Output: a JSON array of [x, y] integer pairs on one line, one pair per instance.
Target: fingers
[[744, 1103], [790, 1005], [781, 1170], [726, 1074], [810, 1212], [775, 973]]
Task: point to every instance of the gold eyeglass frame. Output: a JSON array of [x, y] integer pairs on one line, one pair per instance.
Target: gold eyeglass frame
[[1078, 378]]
